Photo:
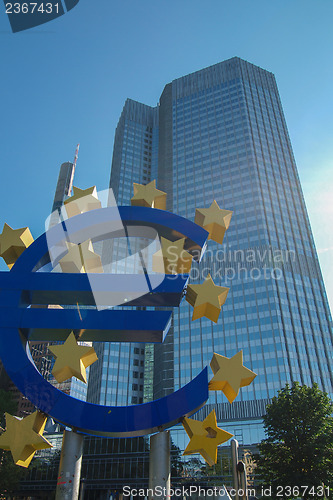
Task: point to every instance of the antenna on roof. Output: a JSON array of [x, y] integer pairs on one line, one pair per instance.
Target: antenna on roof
[[73, 169], [76, 155]]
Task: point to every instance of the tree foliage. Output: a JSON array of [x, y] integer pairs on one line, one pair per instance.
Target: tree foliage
[[175, 460], [6, 405], [298, 450], [10, 474]]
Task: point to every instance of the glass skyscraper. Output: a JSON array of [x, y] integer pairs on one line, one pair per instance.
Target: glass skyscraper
[[220, 134]]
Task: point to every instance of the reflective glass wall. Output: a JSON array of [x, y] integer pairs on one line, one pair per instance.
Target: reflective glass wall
[[220, 134], [227, 140]]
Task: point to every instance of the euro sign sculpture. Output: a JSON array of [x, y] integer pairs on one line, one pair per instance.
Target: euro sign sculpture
[[40, 303]]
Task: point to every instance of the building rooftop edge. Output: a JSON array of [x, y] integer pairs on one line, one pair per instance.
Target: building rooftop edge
[[234, 58], [239, 59]]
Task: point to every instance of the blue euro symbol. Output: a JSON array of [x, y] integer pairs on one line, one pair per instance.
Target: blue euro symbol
[[26, 285], [25, 15]]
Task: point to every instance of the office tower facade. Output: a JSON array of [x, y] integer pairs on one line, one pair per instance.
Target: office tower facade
[[63, 189], [220, 134], [123, 373]]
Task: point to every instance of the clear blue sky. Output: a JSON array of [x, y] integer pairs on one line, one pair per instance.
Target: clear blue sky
[[66, 82]]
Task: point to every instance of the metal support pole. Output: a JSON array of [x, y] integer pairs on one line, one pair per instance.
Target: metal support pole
[[234, 462], [159, 464], [242, 479], [82, 489], [68, 483]]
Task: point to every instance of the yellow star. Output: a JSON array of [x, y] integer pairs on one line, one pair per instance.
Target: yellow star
[[204, 437], [148, 196], [172, 258], [206, 299], [72, 360], [23, 437], [215, 220], [81, 259], [13, 242], [229, 375], [83, 200]]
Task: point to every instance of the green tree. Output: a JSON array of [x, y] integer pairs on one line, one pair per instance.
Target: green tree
[[176, 460], [6, 405], [10, 474], [221, 472], [298, 450]]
